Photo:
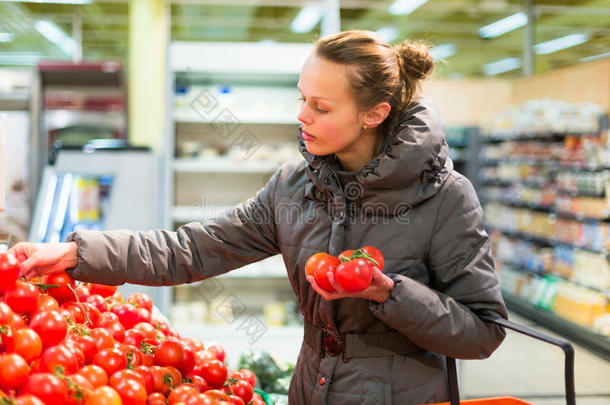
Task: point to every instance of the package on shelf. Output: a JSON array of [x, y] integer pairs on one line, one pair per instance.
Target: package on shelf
[[592, 270], [578, 304], [545, 115], [592, 207], [586, 182], [601, 324]]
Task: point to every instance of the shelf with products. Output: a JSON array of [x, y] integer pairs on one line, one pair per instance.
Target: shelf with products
[[546, 206], [464, 150]]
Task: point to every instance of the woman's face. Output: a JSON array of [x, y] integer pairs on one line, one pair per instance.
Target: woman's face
[[328, 111]]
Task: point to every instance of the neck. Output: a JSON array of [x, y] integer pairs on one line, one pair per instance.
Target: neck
[[361, 153]]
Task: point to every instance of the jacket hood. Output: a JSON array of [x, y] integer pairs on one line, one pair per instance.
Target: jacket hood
[[412, 166]]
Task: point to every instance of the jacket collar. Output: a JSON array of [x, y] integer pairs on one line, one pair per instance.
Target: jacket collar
[[412, 166]]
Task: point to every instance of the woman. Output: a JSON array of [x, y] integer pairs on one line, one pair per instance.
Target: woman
[[376, 172]]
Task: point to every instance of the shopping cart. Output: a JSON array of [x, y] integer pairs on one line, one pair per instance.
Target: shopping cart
[[454, 393]]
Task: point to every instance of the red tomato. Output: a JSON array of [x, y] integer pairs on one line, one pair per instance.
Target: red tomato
[[218, 351], [326, 265], [131, 391], [214, 372], [64, 291], [50, 326], [195, 343], [28, 399], [110, 360], [27, 344], [249, 376], [149, 331], [9, 271], [147, 377], [346, 255], [103, 338], [98, 301], [140, 300], [78, 388], [375, 255], [199, 382], [13, 370], [160, 325], [6, 315], [162, 379], [22, 298], [258, 400], [103, 290], [59, 356], [156, 398], [83, 293], [203, 356], [188, 360], [242, 389], [46, 302], [181, 393], [46, 387], [73, 311], [355, 275], [104, 396], [87, 344], [116, 330], [127, 315], [19, 321], [94, 374], [133, 337], [169, 353], [134, 358], [92, 314], [312, 263]]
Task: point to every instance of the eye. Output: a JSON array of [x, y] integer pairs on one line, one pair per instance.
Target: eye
[[321, 111]]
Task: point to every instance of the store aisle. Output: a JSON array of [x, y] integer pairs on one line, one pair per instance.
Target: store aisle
[[533, 370]]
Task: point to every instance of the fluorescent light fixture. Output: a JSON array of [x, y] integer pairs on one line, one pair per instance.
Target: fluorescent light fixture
[[56, 35], [403, 7], [307, 18], [6, 36], [501, 66], [503, 26], [558, 44], [51, 1], [389, 34], [19, 58], [443, 51], [596, 57]]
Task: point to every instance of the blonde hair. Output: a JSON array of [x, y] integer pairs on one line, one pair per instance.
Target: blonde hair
[[378, 72]]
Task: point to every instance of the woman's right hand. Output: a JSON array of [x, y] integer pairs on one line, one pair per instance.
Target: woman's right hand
[[38, 259]]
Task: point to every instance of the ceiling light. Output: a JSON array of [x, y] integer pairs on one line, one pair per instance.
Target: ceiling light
[[443, 51], [6, 36], [307, 18], [389, 34], [501, 66], [56, 35], [503, 26], [403, 7], [558, 44], [51, 1], [596, 57]]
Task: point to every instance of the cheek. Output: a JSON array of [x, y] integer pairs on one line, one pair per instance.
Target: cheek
[[336, 133]]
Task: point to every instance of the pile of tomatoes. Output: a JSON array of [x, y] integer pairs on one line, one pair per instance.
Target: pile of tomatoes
[[353, 269], [63, 342]]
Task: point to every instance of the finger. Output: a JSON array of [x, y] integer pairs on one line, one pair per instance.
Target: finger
[[27, 266], [328, 296], [333, 281]]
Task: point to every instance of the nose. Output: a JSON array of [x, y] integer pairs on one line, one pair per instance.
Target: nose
[[304, 116]]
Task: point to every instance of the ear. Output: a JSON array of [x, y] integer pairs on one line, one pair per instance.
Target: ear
[[376, 115]]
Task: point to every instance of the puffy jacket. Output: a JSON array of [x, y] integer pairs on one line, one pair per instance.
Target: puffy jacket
[[408, 201]]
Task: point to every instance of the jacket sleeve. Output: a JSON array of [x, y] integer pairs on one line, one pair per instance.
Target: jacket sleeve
[[241, 235], [442, 317]]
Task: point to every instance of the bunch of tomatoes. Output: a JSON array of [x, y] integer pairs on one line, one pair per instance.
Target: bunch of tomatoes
[[353, 269], [63, 342]]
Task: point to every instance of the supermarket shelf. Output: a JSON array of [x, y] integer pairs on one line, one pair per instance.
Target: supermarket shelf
[[547, 209], [522, 269], [593, 341], [193, 117], [546, 241], [16, 101], [580, 193], [542, 136], [518, 161], [222, 165]]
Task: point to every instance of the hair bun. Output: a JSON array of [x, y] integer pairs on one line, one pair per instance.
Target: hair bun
[[415, 60]]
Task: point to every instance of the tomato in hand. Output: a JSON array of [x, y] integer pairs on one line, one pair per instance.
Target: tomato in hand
[[346, 255], [9, 271], [355, 275], [326, 265], [374, 254], [312, 263]]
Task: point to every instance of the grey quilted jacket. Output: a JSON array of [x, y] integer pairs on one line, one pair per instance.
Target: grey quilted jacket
[[408, 201]]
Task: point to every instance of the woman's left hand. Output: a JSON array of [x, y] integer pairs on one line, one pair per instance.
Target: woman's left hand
[[378, 290]]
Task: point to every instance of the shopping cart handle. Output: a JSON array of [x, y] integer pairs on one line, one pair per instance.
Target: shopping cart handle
[[567, 348]]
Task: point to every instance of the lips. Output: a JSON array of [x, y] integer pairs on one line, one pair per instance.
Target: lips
[[307, 136]]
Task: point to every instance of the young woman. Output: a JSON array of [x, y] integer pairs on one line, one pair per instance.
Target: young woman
[[375, 172]]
